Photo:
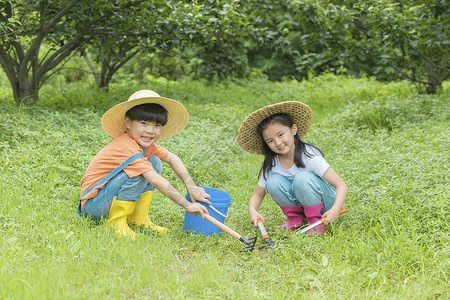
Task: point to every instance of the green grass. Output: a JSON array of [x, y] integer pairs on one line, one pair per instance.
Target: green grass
[[389, 144]]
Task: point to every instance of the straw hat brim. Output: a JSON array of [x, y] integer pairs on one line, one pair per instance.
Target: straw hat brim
[[248, 136], [113, 121]]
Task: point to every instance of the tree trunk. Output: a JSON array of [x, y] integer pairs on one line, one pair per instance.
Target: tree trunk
[[91, 67], [25, 94], [140, 72], [433, 78], [110, 66], [104, 82], [18, 63]]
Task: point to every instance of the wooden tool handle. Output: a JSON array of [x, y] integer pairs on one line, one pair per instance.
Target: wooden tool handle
[[223, 227]]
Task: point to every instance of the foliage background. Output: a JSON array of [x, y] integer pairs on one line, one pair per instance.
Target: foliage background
[[221, 39]]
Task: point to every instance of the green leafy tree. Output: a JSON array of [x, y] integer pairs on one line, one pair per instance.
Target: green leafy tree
[[299, 38], [64, 25], [386, 39], [116, 41], [218, 31], [200, 31], [410, 37]]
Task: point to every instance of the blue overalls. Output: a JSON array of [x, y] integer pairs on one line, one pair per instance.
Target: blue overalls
[[118, 185]]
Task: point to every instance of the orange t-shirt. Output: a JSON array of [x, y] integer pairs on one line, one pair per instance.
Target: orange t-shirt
[[111, 156]]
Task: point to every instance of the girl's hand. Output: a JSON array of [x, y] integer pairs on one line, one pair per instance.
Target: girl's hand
[[254, 203], [254, 216], [197, 193], [341, 194], [332, 215], [196, 208]]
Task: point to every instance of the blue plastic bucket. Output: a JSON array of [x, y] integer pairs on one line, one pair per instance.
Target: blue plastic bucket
[[220, 200]]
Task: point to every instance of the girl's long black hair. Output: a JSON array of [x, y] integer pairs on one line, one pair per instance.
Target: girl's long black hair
[[269, 155]]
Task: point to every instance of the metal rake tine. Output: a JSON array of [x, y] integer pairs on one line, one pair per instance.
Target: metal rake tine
[[250, 244], [262, 246]]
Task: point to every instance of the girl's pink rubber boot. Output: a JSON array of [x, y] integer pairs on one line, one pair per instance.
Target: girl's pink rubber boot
[[294, 218], [313, 215]]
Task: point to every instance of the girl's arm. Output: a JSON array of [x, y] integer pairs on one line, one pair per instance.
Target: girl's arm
[[254, 203], [341, 194], [195, 193], [162, 185]]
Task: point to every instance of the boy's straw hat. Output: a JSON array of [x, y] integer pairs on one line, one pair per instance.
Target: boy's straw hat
[[113, 121], [248, 136]]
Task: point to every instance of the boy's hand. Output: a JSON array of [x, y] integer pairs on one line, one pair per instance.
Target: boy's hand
[[195, 208], [254, 216], [197, 193]]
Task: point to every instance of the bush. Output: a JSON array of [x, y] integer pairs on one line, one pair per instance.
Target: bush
[[392, 112]]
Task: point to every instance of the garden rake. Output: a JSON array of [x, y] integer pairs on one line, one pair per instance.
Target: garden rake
[[265, 237], [250, 243]]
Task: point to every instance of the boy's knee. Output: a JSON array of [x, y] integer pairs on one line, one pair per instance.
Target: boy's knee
[[132, 189], [137, 181], [156, 163]]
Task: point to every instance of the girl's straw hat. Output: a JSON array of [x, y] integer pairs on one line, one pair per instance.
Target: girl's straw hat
[[248, 137], [113, 121]]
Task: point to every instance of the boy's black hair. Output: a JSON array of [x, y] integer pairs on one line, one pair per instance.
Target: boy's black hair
[[149, 112], [269, 155]]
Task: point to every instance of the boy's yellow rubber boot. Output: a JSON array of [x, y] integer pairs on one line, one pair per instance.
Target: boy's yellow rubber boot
[[140, 214], [117, 218]]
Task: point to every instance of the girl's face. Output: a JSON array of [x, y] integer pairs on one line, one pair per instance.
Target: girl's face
[[280, 138], [143, 132]]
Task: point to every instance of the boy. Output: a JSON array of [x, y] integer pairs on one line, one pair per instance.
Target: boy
[[120, 180]]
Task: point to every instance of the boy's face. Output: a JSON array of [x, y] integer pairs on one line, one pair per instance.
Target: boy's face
[[143, 132]]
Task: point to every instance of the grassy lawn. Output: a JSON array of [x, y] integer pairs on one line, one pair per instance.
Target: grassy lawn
[[388, 143]]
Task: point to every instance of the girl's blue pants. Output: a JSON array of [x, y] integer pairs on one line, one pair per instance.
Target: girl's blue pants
[[306, 189]]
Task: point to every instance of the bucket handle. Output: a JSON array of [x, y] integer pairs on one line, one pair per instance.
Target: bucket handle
[[225, 216]]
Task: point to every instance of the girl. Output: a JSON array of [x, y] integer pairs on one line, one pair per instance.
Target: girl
[[294, 173]]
